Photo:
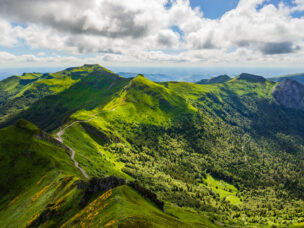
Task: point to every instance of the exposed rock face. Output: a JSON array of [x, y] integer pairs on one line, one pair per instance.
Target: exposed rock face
[[290, 94]]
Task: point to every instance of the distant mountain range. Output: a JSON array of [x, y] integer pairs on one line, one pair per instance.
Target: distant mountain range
[[296, 77], [203, 78]]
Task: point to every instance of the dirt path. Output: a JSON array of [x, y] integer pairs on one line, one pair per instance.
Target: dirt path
[[59, 137]]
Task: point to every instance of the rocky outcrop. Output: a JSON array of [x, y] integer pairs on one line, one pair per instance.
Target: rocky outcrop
[[290, 94]]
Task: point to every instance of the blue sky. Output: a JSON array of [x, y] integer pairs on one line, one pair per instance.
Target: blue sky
[[197, 33], [214, 9]]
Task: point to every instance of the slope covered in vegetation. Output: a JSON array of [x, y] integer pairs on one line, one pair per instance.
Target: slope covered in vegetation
[[17, 93], [36, 176], [228, 150], [41, 187], [235, 132]]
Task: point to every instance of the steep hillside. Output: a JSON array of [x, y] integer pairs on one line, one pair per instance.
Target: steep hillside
[[17, 93], [40, 186], [36, 171], [125, 207], [183, 132], [96, 88], [228, 151], [218, 79]]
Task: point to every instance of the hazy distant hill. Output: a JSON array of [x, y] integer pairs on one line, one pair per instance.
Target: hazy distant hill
[[296, 77]]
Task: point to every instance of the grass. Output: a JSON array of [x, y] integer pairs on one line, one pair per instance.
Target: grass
[[142, 112], [41, 177], [124, 207], [224, 189], [56, 189], [141, 101], [24, 157], [20, 92], [34, 174], [92, 157]]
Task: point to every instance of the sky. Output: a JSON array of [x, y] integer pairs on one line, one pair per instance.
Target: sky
[[153, 33]]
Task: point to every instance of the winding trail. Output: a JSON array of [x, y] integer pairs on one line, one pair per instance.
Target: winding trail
[[59, 138]]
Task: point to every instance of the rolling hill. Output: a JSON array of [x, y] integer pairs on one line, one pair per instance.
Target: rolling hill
[[219, 153]]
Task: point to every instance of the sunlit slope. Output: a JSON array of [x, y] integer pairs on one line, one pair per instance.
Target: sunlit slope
[[19, 92], [96, 89], [182, 132], [124, 207], [37, 176], [227, 149], [40, 187], [143, 101]]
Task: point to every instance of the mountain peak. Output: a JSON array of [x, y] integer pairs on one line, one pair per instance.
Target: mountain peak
[[250, 78], [84, 67], [91, 65], [213, 80], [26, 125]]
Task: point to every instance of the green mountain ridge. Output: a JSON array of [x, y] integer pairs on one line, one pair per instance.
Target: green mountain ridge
[[18, 93], [222, 153]]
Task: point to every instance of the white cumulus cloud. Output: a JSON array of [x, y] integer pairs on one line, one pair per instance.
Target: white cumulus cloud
[[146, 31]]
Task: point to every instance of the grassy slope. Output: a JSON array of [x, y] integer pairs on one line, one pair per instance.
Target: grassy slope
[[124, 207], [34, 173], [142, 101], [91, 155], [224, 189], [150, 105], [24, 156], [19, 92], [97, 88], [38, 177], [237, 107]]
